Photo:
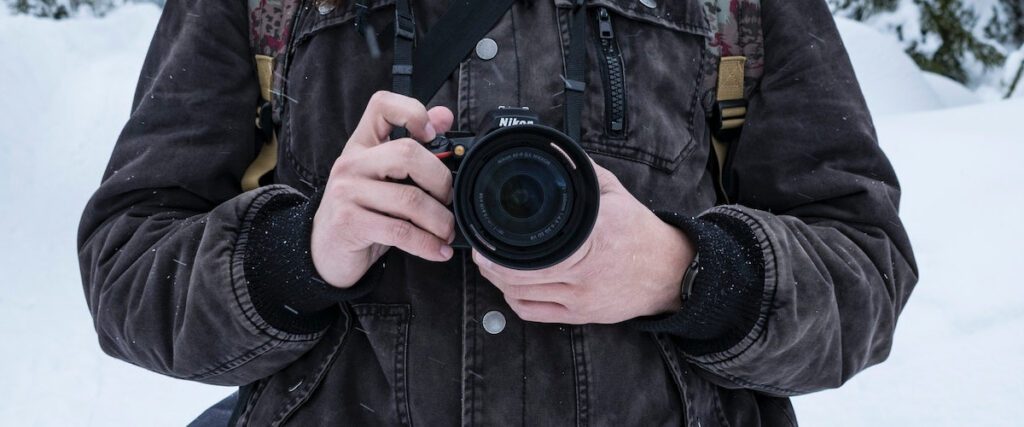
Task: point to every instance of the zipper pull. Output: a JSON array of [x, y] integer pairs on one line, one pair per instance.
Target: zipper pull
[[604, 24]]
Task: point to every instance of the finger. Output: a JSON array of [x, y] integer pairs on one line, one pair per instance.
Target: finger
[[405, 158], [606, 180], [407, 202], [442, 119], [499, 274], [560, 293], [404, 235], [386, 111], [571, 266], [538, 311]]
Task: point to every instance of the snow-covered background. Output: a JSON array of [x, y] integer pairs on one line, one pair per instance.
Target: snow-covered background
[[958, 358]]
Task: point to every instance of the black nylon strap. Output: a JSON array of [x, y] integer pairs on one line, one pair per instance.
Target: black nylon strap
[[450, 40], [401, 70], [455, 35], [575, 70]]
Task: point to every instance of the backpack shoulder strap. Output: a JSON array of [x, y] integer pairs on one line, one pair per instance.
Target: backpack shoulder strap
[[270, 25], [735, 64]]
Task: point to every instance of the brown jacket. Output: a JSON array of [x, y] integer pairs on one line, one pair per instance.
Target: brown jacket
[[167, 253]]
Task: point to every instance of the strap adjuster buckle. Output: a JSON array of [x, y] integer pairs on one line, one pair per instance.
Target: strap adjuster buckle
[[401, 70], [727, 118], [405, 26], [265, 119]]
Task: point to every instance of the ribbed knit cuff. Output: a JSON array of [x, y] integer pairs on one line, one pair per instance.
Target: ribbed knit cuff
[[282, 280], [726, 297]]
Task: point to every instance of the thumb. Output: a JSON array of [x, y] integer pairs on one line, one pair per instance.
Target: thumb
[[606, 180]]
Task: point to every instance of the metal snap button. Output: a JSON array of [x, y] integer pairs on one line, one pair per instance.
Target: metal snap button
[[494, 322], [486, 49], [325, 7], [649, 3]]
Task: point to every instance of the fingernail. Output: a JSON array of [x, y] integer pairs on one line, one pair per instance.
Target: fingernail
[[431, 132], [446, 252]]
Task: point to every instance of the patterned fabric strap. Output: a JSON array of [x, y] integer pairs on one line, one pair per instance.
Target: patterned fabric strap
[[270, 26], [737, 32]]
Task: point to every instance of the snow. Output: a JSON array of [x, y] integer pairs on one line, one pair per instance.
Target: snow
[[950, 92], [891, 81], [903, 27], [1015, 63], [956, 358]]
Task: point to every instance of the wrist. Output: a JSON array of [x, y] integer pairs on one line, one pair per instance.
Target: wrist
[[334, 271], [677, 254], [726, 298]]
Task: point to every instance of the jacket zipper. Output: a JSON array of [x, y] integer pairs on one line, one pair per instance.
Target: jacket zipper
[[613, 76]]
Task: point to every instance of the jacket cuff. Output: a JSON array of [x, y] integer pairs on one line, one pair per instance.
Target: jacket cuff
[[725, 301], [283, 284]]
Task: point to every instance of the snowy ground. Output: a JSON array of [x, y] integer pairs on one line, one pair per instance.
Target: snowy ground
[[957, 358]]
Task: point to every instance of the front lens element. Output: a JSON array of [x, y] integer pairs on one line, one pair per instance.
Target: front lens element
[[522, 196]]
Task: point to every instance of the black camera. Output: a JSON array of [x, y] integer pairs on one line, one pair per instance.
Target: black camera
[[526, 195]]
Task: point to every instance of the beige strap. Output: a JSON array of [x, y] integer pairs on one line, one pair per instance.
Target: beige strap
[[730, 78], [731, 73], [266, 161], [265, 72]]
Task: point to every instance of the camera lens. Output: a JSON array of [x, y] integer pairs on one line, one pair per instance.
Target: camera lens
[[522, 196], [526, 196]]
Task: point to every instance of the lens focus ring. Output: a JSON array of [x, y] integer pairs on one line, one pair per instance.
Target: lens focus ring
[[526, 196]]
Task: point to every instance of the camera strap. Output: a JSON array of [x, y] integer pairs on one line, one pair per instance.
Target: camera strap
[[455, 35], [401, 68], [575, 70], [448, 42]]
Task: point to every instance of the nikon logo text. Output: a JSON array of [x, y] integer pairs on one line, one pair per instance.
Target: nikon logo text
[[512, 121]]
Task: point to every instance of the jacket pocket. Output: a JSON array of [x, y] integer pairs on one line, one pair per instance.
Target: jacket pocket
[[644, 77], [330, 76], [387, 328], [275, 399]]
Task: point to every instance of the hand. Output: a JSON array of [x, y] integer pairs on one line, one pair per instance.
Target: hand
[[365, 210], [631, 265]]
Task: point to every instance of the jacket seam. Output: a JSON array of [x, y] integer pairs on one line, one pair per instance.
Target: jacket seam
[[254, 399], [670, 356], [301, 170], [755, 385], [245, 358], [320, 373]]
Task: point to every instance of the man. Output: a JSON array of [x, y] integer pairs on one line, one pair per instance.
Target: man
[[334, 295]]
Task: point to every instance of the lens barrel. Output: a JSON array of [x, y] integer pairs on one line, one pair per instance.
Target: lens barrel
[[526, 196]]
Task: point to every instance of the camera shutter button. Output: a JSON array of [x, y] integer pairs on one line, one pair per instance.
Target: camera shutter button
[[486, 49], [494, 322]]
